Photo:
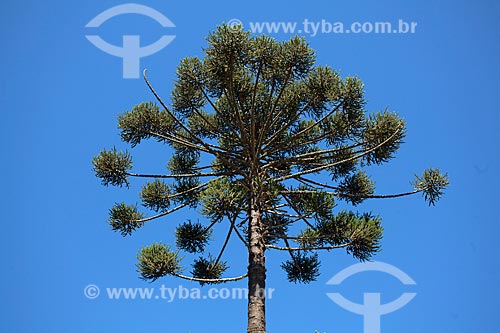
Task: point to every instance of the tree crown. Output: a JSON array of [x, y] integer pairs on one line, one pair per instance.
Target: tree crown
[[270, 123]]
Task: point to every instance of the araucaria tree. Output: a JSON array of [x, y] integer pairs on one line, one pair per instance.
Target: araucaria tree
[[264, 140]]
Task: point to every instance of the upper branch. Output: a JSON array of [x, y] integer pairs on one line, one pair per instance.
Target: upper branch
[[162, 214], [315, 248], [186, 175], [211, 148], [326, 166]]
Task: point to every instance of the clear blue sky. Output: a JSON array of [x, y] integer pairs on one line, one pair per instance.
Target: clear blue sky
[[59, 98]]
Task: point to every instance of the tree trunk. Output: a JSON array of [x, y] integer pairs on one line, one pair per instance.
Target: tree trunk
[[256, 272]]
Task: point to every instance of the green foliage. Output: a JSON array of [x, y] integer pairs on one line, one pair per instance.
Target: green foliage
[[338, 171], [200, 123], [192, 237], [302, 267], [353, 113], [359, 234], [365, 233], [310, 238], [222, 198], [324, 87], [183, 161], [155, 195], [432, 184], [187, 98], [227, 49], [312, 202], [112, 167], [356, 187], [381, 127], [208, 269], [125, 218], [157, 260], [362, 233], [183, 189], [275, 227], [143, 122]]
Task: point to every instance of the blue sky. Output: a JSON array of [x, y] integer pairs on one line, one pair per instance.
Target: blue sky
[[59, 98]]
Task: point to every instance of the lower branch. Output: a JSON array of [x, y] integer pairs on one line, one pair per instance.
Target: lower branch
[[222, 280]]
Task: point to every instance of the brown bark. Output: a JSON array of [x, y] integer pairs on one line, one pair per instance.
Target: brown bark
[[256, 272]]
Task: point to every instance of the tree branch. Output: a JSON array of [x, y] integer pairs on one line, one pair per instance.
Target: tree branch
[[289, 249], [284, 128], [252, 108], [337, 194], [228, 236], [228, 123], [270, 121], [296, 135], [178, 140], [180, 175], [297, 211], [192, 189], [316, 248], [311, 156], [209, 147], [221, 280], [326, 166], [334, 109], [162, 214], [299, 217], [300, 144]]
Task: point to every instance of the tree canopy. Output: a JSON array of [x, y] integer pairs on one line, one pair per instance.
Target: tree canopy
[[269, 143]]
